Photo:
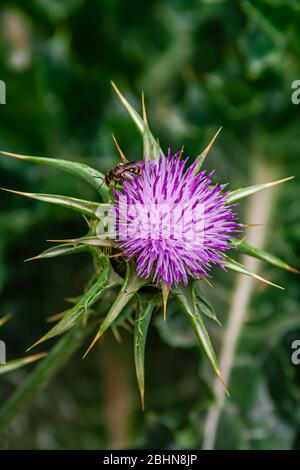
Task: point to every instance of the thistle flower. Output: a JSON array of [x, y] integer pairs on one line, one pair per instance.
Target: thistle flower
[[175, 223]]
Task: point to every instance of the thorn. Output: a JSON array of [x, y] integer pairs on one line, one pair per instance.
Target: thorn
[[15, 192], [205, 152], [165, 289], [129, 108], [41, 340], [31, 259], [222, 382], [35, 357], [253, 275], [97, 337], [207, 149], [181, 152], [274, 183], [67, 240], [257, 276], [144, 110], [119, 94], [206, 280], [251, 225], [292, 270], [123, 158], [14, 155]]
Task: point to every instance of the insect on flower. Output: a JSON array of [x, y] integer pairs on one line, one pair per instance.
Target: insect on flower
[[124, 172]]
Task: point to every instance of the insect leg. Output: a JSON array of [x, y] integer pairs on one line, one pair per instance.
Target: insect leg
[[103, 180]]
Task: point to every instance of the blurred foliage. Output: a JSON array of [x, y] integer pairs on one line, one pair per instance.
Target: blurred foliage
[[201, 64]]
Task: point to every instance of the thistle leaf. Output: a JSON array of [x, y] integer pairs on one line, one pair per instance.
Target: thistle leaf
[[132, 283], [204, 306], [76, 313], [233, 265], [142, 321], [152, 149], [88, 174], [60, 250], [238, 194], [17, 363], [132, 112], [187, 299], [88, 208], [263, 255], [88, 241]]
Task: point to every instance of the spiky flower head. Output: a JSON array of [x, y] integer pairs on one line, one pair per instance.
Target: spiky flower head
[[173, 220], [176, 223]]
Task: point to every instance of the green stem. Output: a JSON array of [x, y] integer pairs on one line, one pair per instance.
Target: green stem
[[44, 372]]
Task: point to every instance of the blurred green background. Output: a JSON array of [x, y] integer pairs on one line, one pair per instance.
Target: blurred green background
[[202, 65]]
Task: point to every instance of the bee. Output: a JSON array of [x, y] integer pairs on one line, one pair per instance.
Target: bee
[[124, 172]]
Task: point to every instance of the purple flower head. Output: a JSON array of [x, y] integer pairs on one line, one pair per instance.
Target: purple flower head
[[175, 223]]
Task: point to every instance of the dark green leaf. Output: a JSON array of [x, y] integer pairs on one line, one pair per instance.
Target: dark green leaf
[[187, 300], [88, 208], [143, 317], [61, 250], [88, 241], [90, 175], [86, 300], [132, 283], [205, 307]]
